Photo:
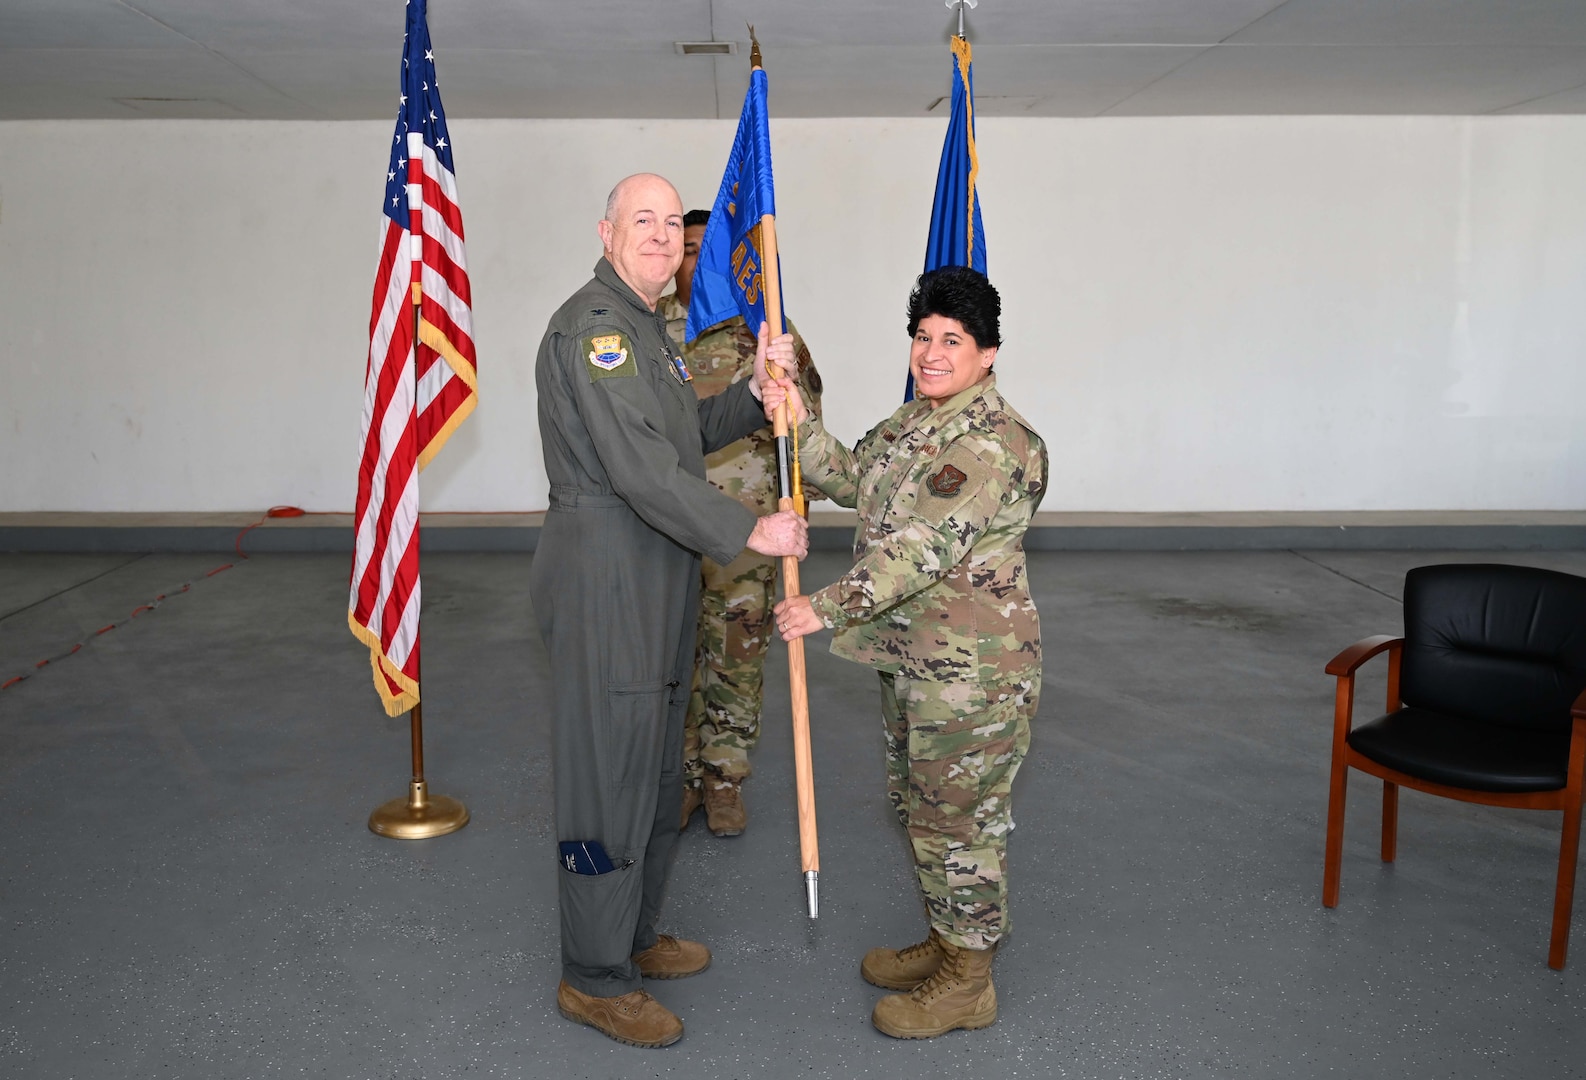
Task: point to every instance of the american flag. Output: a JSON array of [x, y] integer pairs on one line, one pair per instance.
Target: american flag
[[415, 394]]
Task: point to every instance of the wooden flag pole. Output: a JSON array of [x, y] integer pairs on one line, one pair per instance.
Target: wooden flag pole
[[420, 815], [791, 499]]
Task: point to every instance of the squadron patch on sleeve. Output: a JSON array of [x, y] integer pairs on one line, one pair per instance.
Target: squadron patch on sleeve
[[609, 356], [948, 481], [955, 477]]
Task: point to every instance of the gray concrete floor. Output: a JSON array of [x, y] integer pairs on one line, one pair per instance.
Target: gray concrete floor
[[188, 888]]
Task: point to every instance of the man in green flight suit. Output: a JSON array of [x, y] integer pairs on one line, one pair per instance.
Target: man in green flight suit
[[734, 635], [615, 588]]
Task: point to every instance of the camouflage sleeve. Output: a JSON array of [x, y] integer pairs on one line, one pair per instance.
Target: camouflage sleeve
[[826, 464], [809, 379], [809, 382], [955, 504], [726, 417]]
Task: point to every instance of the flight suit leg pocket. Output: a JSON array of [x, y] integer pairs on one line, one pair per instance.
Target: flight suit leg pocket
[[634, 731], [600, 913]]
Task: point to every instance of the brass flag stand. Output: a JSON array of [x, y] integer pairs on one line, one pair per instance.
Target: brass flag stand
[[420, 815]]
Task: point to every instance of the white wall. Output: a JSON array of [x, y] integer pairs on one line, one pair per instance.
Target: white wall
[[1200, 313]]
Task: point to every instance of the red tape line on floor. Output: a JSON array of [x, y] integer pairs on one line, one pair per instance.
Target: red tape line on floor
[[273, 512]]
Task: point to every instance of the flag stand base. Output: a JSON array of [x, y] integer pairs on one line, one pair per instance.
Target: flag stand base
[[418, 816]]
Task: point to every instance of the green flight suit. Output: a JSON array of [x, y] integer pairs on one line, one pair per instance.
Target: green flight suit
[[615, 587]]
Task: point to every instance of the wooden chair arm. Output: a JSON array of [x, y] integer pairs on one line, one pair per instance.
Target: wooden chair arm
[[1351, 658]]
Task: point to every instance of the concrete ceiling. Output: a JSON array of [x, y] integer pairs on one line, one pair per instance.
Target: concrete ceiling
[[338, 59]]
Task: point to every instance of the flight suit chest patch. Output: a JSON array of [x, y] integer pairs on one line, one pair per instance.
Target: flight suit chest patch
[[679, 369]]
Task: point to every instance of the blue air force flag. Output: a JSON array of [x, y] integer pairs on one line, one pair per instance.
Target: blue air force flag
[[729, 278], [956, 237]]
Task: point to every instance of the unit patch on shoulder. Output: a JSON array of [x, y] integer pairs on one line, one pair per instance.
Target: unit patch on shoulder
[[947, 482], [606, 351], [608, 356], [952, 480]]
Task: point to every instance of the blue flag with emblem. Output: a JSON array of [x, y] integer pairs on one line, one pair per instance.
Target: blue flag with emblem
[[957, 238], [728, 278]]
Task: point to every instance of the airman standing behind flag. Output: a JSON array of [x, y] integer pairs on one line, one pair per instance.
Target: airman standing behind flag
[[724, 709]]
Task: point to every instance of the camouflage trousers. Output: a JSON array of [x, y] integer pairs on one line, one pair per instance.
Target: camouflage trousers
[[952, 752], [723, 721]]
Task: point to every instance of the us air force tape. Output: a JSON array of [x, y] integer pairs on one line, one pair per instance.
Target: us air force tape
[[954, 478], [609, 356]]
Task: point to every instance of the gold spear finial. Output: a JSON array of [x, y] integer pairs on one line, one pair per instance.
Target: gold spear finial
[[754, 47]]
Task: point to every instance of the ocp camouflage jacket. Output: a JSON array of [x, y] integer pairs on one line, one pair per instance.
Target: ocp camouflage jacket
[[938, 589]]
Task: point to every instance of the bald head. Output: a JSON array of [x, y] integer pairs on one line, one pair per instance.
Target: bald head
[[642, 233], [636, 185]]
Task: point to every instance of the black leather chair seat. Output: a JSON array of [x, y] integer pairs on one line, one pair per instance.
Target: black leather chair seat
[[1487, 704], [1463, 753]]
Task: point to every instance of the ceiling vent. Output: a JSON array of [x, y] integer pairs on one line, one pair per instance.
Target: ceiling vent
[[706, 48]]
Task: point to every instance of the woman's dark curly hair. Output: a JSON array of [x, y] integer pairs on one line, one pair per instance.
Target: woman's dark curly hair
[[957, 292]]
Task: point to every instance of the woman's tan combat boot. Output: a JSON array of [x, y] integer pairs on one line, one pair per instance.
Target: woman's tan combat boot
[[903, 969], [958, 995]]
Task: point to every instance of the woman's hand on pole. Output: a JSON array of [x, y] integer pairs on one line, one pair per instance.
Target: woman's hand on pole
[[776, 391], [777, 350], [795, 617]]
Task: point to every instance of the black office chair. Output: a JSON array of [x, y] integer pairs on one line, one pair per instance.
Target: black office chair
[[1486, 704]]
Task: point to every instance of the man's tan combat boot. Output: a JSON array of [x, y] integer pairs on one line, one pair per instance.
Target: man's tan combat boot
[[693, 799], [672, 958], [724, 812], [635, 1018], [903, 969], [959, 995]]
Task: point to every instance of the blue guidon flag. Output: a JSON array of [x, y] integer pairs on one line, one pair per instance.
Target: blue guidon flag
[[728, 279], [957, 238]]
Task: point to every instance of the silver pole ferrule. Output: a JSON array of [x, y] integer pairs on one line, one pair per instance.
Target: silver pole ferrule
[[812, 892]]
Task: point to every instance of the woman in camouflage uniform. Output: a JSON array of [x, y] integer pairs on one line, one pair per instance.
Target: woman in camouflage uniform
[[937, 601]]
